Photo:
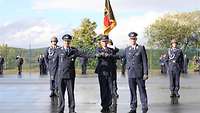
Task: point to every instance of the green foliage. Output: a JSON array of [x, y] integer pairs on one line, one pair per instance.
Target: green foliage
[[84, 34], [83, 38], [175, 25]]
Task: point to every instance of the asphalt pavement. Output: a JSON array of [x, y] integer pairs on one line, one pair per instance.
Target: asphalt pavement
[[30, 94]]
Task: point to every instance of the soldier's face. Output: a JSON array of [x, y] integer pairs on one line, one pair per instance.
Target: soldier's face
[[174, 45], [53, 42], [133, 40], [104, 43], [67, 43]]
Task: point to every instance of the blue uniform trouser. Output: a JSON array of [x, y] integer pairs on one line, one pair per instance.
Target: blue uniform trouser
[[174, 75], [52, 85], [114, 82], [84, 68], [105, 82], [1, 69], [69, 84], [19, 70], [133, 83], [53, 81]]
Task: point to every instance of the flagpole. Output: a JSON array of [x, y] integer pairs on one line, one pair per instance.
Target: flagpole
[[30, 54]]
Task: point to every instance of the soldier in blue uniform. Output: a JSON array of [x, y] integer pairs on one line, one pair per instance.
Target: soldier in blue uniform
[[185, 64], [103, 69], [175, 62], [52, 65], [123, 66], [163, 64], [42, 64], [137, 68], [19, 62], [1, 65], [66, 73], [83, 63]]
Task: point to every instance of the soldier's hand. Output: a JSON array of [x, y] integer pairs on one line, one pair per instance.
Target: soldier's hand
[[145, 77]]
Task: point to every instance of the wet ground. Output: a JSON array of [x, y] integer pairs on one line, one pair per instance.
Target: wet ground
[[30, 94]]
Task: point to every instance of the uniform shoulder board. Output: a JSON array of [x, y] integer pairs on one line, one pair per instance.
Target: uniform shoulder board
[[73, 48], [47, 48], [140, 46], [58, 47], [128, 47]]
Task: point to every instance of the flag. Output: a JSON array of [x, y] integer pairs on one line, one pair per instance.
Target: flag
[[109, 19]]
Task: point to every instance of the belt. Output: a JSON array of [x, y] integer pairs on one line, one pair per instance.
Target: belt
[[173, 61]]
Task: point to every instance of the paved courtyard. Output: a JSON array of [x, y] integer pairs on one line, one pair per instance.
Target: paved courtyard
[[30, 94]]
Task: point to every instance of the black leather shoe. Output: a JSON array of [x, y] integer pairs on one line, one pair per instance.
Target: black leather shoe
[[144, 111], [105, 110], [132, 111], [116, 95], [177, 94], [60, 111], [72, 111], [172, 94], [51, 95]]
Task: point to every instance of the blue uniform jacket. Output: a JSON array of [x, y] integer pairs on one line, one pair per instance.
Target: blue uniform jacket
[[136, 61]]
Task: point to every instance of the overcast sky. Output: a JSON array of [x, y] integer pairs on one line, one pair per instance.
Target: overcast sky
[[33, 22]]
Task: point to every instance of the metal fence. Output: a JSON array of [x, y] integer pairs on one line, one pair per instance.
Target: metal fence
[[30, 57]]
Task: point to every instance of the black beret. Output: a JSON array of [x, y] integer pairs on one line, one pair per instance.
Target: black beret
[[132, 34], [104, 38], [67, 37]]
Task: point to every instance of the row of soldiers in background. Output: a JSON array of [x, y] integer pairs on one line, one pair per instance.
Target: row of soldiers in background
[[1, 65], [196, 63], [42, 65], [19, 63], [164, 64]]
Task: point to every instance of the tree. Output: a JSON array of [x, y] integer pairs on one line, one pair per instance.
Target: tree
[[83, 37], [180, 26]]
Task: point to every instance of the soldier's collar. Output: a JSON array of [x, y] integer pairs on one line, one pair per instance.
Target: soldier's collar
[[135, 46], [54, 47], [105, 47], [174, 48], [66, 48]]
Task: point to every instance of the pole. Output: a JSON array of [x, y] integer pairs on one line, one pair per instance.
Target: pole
[[6, 63], [150, 54], [30, 57]]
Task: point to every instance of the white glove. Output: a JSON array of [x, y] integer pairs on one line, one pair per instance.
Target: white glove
[[111, 46], [145, 77]]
